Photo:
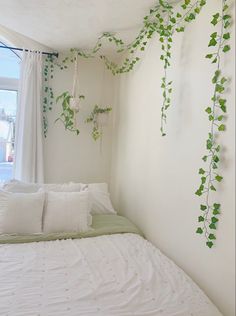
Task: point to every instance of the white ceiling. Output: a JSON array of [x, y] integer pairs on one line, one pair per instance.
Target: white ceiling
[[62, 24]]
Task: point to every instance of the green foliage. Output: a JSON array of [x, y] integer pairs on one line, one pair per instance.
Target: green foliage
[[93, 118], [48, 95], [164, 22], [215, 112], [161, 21], [68, 115]]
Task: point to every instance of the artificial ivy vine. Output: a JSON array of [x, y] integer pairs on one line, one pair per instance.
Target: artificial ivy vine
[[48, 95], [164, 22], [216, 115]]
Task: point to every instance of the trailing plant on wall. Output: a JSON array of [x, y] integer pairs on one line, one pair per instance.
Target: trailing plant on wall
[[48, 95], [210, 175], [94, 119], [161, 21], [164, 22], [68, 115]]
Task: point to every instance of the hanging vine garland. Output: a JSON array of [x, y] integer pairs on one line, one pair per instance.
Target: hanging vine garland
[[164, 21], [161, 20], [216, 115], [48, 95]]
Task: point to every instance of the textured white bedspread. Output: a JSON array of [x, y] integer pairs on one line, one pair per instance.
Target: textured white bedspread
[[113, 275]]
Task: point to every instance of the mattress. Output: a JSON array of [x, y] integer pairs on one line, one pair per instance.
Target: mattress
[[107, 275]]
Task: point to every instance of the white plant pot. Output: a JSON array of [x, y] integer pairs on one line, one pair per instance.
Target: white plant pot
[[75, 104], [102, 119]]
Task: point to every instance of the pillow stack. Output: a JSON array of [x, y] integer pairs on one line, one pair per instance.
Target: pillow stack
[[51, 208]]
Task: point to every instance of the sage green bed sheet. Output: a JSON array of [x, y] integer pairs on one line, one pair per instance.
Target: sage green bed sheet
[[102, 225]]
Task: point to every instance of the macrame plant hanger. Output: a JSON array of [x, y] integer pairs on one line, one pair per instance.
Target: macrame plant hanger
[[75, 99]]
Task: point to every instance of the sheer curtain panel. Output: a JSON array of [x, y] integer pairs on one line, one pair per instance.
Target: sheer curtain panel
[[29, 134]]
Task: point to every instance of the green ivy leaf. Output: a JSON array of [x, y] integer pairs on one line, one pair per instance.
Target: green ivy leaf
[[226, 36], [200, 219], [212, 42], [218, 178], [223, 108], [226, 17], [212, 188], [209, 244], [204, 158], [216, 212], [198, 192], [213, 35], [219, 88], [216, 206], [223, 80], [214, 166], [220, 118], [225, 7], [203, 179], [201, 171], [209, 144], [214, 220], [208, 110], [226, 48], [214, 60], [212, 226], [199, 230], [203, 207], [216, 159], [222, 128], [212, 237], [215, 19], [209, 56]]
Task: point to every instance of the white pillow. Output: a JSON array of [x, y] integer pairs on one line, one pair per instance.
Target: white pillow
[[66, 212], [65, 187], [99, 198], [16, 186], [21, 213]]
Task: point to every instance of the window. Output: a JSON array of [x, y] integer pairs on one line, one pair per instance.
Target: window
[[9, 76]]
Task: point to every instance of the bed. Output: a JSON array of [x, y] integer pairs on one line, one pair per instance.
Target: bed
[[110, 270]]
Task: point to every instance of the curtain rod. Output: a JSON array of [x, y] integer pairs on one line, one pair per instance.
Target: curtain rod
[[21, 49]]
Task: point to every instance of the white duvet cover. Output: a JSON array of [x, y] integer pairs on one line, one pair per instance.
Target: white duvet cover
[[113, 275]]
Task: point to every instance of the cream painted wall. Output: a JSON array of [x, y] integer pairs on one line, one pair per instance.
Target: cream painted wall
[[154, 179], [79, 158]]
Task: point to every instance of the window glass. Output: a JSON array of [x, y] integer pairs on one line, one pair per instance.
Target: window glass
[[9, 63], [8, 104], [9, 75]]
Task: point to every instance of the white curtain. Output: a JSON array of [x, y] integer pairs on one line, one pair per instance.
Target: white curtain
[[28, 165]]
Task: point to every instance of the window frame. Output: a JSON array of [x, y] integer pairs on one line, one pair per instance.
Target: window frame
[[9, 84]]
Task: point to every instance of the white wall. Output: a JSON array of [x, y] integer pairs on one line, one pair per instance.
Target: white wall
[[154, 178], [16, 39], [79, 158]]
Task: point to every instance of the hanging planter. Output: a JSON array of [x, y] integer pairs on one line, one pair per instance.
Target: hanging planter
[[71, 104], [99, 117]]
